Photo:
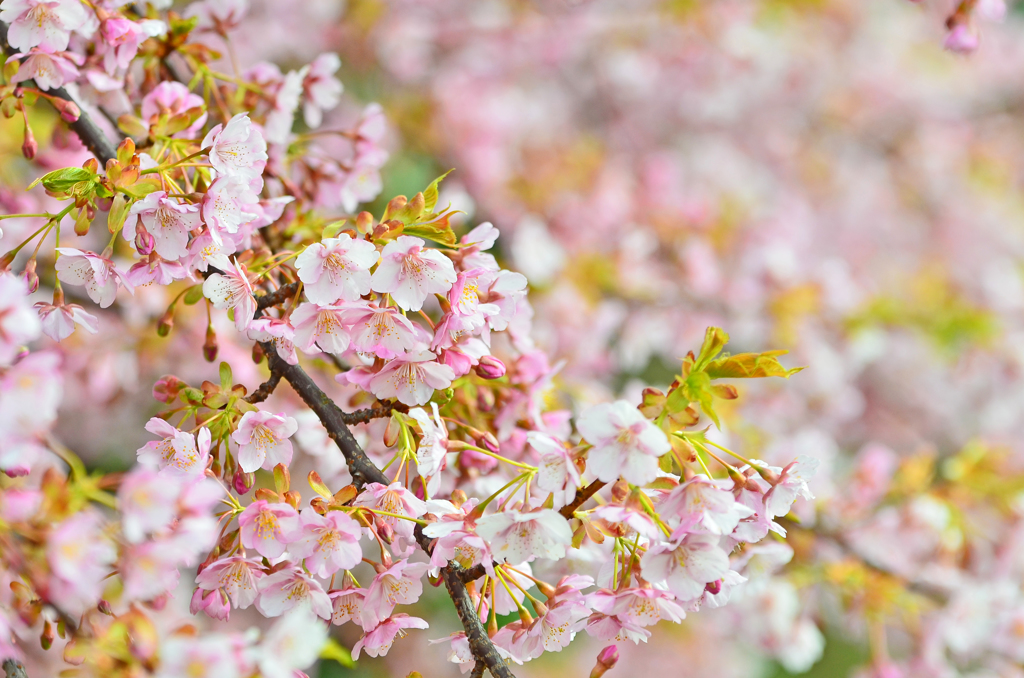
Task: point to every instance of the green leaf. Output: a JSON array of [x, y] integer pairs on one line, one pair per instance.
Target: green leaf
[[225, 376], [437, 229], [318, 486], [697, 388], [750, 366], [431, 193], [194, 295], [332, 229], [715, 340], [64, 179], [334, 651]]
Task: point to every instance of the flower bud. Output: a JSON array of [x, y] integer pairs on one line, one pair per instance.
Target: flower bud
[[68, 110], [167, 387], [47, 636], [30, 147], [31, 279], [385, 531], [490, 368], [196, 603], [620, 490], [243, 482], [459, 497], [166, 322], [392, 431], [257, 353], [104, 607], [606, 659], [210, 345], [144, 240]]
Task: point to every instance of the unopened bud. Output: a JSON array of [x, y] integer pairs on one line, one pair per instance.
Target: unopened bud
[[82, 222], [392, 431], [104, 607], [47, 636], [490, 368], [459, 497], [167, 387], [714, 587], [606, 659], [364, 222], [243, 481], [210, 345], [31, 279], [144, 240], [385, 531], [166, 322], [158, 603], [620, 490], [68, 110], [7, 260], [257, 353], [30, 147]]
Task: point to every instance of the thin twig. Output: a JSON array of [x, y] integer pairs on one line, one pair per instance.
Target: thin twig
[[365, 415], [265, 389]]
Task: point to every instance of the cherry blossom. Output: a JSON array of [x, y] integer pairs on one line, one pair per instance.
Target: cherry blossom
[[792, 483], [322, 89], [268, 527], [412, 378], [262, 440], [383, 332], [18, 324], [624, 443], [336, 269], [327, 543], [237, 575], [320, 328], [704, 505], [395, 499], [685, 566], [44, 23], [178, 452], [291, 645], [348, 605], [228, 205], [96, 273], [173, 98], [232, 289], [410, 272], [291, 589], [49, 70], [516, 537], [147, 501], [279, 333], [400, 584], [433, 447], [237, 149], [557, 471], [377, 641]]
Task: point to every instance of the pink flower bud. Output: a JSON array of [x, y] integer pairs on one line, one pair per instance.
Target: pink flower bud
[[385, 531], [606, 659], [714, 587], [210, 345], [104, 607], [68, 110], [31, 279], [243, 481], [167, 388], [30, 147], [144, 240], [490, 368], [961, 39]]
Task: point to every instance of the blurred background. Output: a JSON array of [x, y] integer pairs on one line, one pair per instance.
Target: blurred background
[[820, 176]]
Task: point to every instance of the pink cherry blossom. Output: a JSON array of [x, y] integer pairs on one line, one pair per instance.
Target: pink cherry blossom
[[228, 204], [120, 40], [557, 472], [50, 70], [97, 274], [208, 656], [383, 332], [59, 321], [291, 645], [630, 517], [379, 640], [173, 98], [412, 378], [262, 440], [394, 498], [281, 118], [624, 443], [703, 505], [149, 570], [80, 557], [279, 333], [327, 543], [147, 501], [322, 89], [433, 447], [206, 250], [178, 452], [153, 269], [46, 23], [792, 484], [348, 605], [268, 528], [167, 220], [232, 290], [289, 589], [237, 575], [336, 269], [320, 328], [516, 537], [410, 272], [18, 324], [400, 584], [962, 39], [219, 15], [685, 566], [237, 149]]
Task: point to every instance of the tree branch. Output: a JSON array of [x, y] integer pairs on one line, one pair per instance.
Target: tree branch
[[14, 669], [281, 294], [334, 420], [265, 389]]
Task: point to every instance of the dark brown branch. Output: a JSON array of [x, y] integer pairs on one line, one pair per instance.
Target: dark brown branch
[[265, 389], [278, 296], [365, 415], [14, 669], [582, 495], [478, 670]]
